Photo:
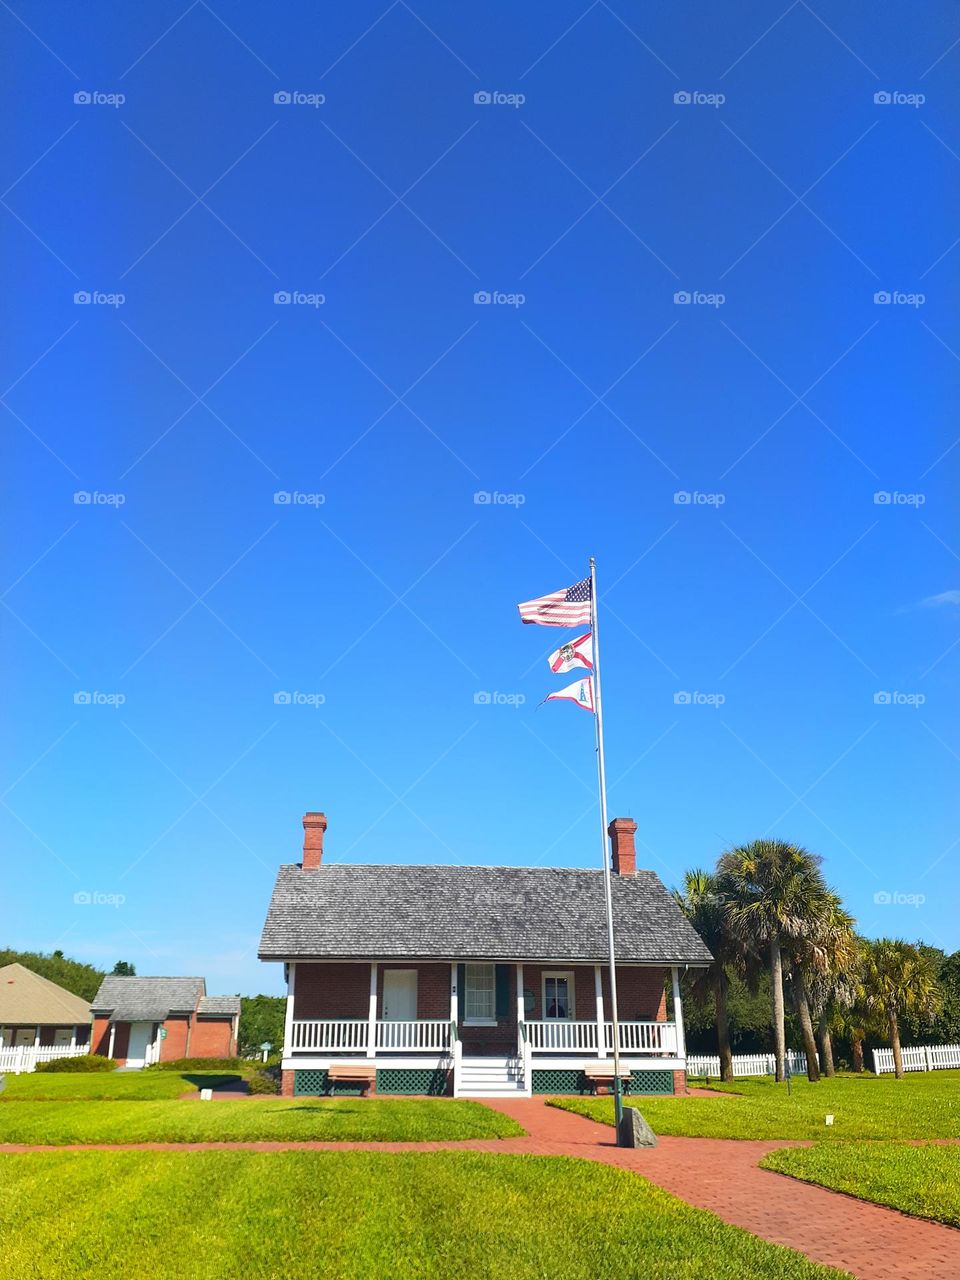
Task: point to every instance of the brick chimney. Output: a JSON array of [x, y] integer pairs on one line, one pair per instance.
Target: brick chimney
[[624, 854], [314, 825]]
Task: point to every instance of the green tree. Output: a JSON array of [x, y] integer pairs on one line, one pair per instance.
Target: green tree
[[899, 981], [706, 910], [772, 889], [261, 1020], [124, 969]]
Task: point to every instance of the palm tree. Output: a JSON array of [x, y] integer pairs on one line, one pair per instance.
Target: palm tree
[[831, 956], [772, 889], [706, 911], [899, 979]]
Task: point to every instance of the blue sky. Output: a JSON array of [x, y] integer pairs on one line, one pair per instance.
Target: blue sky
[[616, 158]]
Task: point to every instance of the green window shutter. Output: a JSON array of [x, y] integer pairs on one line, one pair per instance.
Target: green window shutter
[[503, 991], [461, 989]]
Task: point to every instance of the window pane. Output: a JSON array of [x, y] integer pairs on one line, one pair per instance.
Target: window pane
[[480, 995], [557, 998]]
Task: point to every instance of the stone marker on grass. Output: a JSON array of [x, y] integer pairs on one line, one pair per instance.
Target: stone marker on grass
[[634, 1130]]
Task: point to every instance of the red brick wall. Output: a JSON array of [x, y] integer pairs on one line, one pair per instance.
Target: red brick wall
[[332, 991], [641, 994], [175, 1044], [584, 991], [212, 1038], [101, 1036]]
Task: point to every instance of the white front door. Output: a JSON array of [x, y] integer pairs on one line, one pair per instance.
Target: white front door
[[400, 995], [140, 1035]]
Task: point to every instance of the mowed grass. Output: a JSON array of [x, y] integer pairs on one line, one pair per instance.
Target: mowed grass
[[43, 1086], [924, 1105], [358, 1216], [253, 1120], [923, 1181]]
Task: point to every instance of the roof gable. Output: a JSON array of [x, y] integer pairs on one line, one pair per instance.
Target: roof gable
[[340, 911], [26, 997], [147, 999]]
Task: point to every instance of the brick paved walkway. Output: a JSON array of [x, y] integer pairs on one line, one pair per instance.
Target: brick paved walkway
[[718, 1174]]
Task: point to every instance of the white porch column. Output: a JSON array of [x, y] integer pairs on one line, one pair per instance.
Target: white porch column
[[678, 1013], [521, 1011], [372, 1013], [36, 1039], [601, 1036], [456, 1048], [73, 1038], [113, 1033], [288, 1017]]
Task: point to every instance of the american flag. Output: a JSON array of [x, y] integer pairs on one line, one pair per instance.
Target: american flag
[[567, 608]]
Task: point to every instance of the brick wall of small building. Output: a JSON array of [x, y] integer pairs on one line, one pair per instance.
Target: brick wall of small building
[[641, 994], [174, 1044], [332, 991], [212, 1038]]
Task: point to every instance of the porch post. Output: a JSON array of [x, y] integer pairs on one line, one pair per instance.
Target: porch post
[[36, 1039], [372, 1013], [678, 1013], [288, 1017], [113, 1032], [73, 1038], [601, 1030], [521, 1012]]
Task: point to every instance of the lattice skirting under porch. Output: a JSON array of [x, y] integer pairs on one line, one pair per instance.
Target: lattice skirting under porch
[[314, 1083], [420, 1080], [576, 1082]]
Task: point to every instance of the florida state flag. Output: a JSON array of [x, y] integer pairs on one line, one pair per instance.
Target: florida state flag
[[580, 692], [574, 655]]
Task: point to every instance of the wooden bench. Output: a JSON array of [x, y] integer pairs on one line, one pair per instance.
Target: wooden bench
[[602, 1077], [353, 1073]]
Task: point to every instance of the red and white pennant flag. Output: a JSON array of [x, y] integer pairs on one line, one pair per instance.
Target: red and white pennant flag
[[580, 692]]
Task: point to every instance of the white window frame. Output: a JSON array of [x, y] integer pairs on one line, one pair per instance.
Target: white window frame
[[571, 994], [478, 1019]]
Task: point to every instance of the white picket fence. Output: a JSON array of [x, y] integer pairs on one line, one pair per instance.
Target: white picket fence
[[746, 1064], [919, 1057], [24, 1057]]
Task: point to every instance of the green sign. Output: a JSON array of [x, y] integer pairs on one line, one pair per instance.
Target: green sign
[[162, 1033]]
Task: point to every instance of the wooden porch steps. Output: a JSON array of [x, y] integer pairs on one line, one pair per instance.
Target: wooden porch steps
[[490, 1077]]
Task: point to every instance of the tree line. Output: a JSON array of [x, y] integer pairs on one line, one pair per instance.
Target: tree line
[[768, 916]]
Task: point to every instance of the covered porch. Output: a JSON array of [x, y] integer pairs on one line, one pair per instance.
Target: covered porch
[[481, 1029]]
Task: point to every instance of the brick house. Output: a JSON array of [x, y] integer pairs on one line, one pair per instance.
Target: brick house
[[37, 1014], [140, 1021], [476, 981]]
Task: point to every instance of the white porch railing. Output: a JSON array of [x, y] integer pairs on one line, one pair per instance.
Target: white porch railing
[[658, 1038], [352, 1035], [20, 1058]]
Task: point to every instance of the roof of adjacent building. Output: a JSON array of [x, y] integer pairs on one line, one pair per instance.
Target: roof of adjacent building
[[222, 1005], [26, 997], [147, 999], [340, 911]]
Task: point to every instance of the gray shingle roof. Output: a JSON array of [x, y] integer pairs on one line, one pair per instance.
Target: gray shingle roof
[[222, 1005], [147, 999], [472, 913]]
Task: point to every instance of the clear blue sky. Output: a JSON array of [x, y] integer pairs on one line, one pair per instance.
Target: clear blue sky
[[596, 399]]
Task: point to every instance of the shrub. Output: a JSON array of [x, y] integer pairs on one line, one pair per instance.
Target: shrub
[[237, 1065], [85, 1062], [263, 1082]]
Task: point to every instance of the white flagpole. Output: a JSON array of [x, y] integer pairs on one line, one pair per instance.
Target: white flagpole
[[607, 882]]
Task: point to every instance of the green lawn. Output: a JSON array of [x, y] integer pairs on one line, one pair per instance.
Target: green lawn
[[924, 1105], [44, 1086], [358, 1216], [254, 1119], [924, 1181]]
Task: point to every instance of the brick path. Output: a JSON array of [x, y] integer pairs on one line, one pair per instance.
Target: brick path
[[718, 1174]]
